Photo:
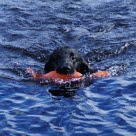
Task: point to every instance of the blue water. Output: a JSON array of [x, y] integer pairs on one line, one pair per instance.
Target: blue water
[[30, 30]]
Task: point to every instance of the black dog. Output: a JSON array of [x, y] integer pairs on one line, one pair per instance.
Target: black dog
[[66, 60]]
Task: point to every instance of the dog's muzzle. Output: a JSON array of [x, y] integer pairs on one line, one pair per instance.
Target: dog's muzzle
[[65, 69]]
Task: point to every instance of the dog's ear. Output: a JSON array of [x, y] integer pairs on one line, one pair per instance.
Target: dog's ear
[[82, 67]]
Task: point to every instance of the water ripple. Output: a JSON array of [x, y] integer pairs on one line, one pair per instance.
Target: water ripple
[[31, 30]]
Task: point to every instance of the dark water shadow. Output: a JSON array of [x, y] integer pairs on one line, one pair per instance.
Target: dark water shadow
[[69, 89]]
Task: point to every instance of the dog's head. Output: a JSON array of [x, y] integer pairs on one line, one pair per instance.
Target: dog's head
[[66, 60]]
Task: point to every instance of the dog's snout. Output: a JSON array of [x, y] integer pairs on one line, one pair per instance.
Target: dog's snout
[[65, 69]]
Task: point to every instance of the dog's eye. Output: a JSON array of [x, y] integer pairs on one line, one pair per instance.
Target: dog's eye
[[72, 56], [58, 56]]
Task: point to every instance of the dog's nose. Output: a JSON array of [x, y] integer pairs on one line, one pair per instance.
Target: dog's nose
[[65, 69]]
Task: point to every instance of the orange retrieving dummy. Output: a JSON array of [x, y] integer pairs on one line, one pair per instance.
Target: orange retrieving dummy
[[54, 75]]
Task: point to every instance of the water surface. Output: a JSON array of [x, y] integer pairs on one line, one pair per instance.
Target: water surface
[[30, 31]]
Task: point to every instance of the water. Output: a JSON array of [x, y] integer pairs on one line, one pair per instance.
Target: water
[[30, 31]]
